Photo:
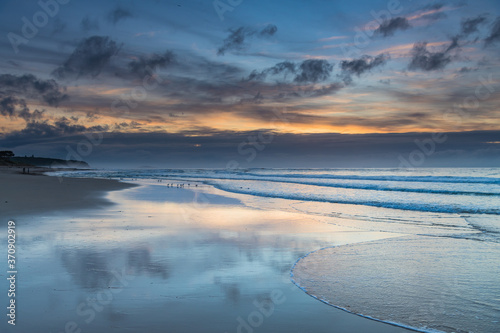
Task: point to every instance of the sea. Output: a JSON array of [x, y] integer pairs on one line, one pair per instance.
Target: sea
[[438, 270]]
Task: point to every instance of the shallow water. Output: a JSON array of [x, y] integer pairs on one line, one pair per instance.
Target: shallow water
[[427, 282], [174, 260]]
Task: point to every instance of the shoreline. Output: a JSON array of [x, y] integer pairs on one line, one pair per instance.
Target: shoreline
[[33, 193]]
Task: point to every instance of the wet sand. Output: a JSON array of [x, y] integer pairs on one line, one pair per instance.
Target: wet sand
[[162, 259], [34, 193]]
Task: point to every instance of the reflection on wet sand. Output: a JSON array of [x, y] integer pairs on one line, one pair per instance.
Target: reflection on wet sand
[[139, 262], [172, 266], [91, 269]]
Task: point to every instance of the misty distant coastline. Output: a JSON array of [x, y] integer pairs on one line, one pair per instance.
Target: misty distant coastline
[[8, 158]]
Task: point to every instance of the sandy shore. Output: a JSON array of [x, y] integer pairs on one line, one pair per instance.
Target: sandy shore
[[32, 193]]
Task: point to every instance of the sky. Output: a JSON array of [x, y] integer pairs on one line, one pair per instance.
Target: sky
[[241, 84]]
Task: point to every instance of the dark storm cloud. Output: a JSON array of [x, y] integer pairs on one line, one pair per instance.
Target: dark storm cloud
[[31, 116], [313, 70], [118, 14], [423, 59], [470, 25], [270, 30], [13, 107], [36, 130], [309, 71], [236, 40], [389, 27], [361, 65], [89, 58], [494, 33], [454, 44], [14, 90], [9, 104], [87, 24], [146, 64], [467, 69], [285, 67], [29, 86]]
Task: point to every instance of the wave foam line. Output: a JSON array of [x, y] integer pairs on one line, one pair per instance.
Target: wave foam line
[[391, 205], [423, 179], [392, 323]]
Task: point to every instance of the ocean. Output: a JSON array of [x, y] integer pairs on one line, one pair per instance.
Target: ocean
[[438, 270]]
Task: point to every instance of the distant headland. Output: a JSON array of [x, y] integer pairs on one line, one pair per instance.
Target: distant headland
[[8, 158]]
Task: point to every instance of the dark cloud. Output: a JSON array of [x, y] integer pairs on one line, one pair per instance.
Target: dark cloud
[[494, 33], [270, 30], [9, 104], [470, 25], [467, 70], [14, 90], [236, 39], [285, 67], [313, 70], [118, 14], [36, 130], [89, 58], [309, 71], [14, 107], [454, 43], [388, 27], [31, 116], [29, 86], [145, 65], [423, 59], [361, 65], [87, 24]]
